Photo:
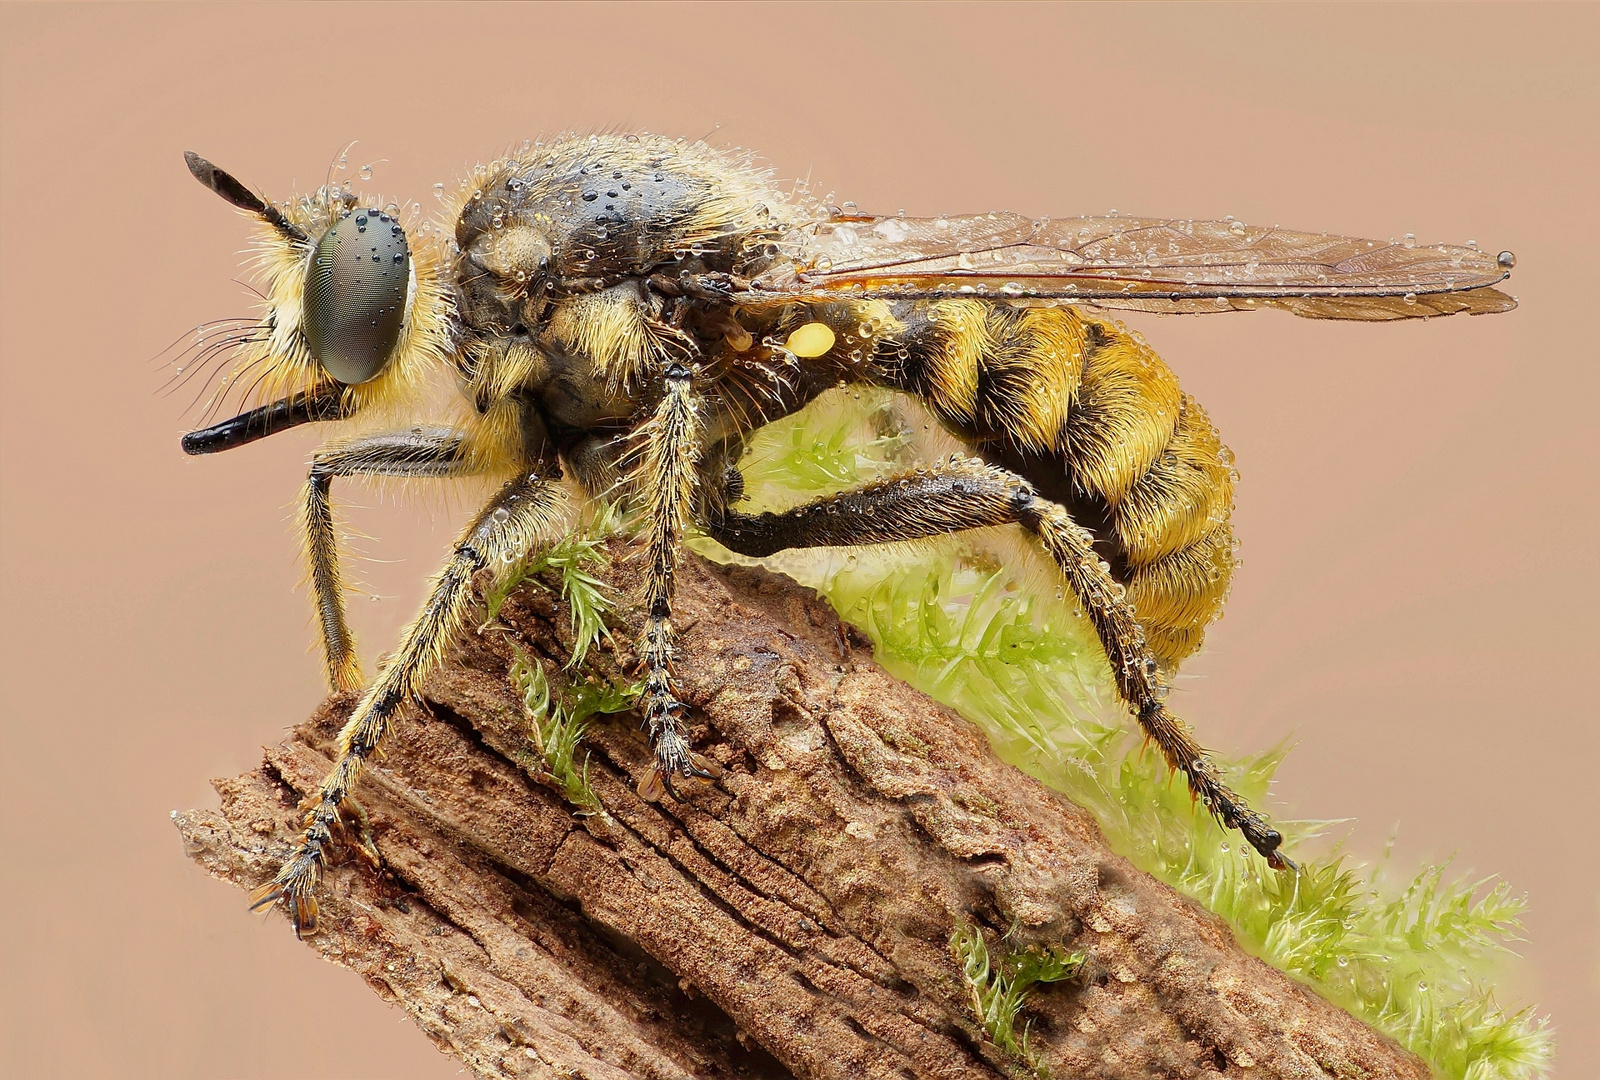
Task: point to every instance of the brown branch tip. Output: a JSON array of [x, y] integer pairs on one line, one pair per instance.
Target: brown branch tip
[[795, 917]]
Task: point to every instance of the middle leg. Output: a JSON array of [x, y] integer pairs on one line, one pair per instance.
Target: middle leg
[[969, 494], [666, 478]]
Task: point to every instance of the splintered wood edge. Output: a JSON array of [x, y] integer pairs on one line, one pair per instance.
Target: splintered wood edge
[[792, 919]]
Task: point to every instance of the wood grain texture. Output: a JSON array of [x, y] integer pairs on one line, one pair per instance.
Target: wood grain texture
[[793, 918]]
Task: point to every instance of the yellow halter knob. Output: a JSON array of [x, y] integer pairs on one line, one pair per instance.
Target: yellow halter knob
[[812, 339]]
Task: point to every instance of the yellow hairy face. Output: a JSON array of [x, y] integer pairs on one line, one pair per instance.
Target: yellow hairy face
[[358, 303]]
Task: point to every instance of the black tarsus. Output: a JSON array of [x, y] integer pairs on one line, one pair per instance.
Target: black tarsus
[[231, 190], [323, 403]]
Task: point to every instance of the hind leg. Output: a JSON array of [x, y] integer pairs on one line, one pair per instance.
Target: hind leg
[[968, 494]]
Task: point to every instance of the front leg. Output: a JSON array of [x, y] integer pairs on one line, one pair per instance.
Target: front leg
[[524, 513], [432, 452], [666, 479]]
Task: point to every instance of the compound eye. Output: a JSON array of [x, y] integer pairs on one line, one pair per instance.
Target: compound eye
[[355, 300]]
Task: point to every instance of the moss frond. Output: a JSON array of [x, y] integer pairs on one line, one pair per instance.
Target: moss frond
[[554, 733], [557, 719], [982, 624], [809, 460], [573, 558], [999, 990], [558, 714]]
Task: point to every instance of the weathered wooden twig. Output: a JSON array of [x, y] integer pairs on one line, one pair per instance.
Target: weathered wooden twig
[[795, 917]]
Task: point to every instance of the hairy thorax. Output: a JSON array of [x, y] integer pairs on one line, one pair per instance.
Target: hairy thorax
[[577, 277]]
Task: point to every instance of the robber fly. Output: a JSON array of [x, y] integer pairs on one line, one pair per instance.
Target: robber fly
[[621, 311]]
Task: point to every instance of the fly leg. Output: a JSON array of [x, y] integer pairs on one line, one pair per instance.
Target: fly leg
[[969, 494], [434, 452], [666, 480], [523, 514]]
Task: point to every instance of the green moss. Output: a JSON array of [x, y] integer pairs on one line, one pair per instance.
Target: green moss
[[556, 722], [998, 990], [572, 558], [995, 637]]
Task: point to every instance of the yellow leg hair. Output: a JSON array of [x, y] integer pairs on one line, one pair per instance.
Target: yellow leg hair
[[666, 478], [417, 452]]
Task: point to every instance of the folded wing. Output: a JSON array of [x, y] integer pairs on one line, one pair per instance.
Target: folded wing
[[1144, 264]]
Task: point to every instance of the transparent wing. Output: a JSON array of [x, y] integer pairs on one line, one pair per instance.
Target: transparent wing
[[1145, 264]]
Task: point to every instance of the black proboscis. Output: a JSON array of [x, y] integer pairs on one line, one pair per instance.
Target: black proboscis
[[324, 403]]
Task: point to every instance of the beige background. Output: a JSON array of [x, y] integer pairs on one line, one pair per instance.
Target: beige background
[[1418, 509]]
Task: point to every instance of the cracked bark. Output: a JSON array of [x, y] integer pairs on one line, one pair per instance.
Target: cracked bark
[[792, 919]]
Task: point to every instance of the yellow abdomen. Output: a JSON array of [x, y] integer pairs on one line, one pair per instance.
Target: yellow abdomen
[[1096, 421]]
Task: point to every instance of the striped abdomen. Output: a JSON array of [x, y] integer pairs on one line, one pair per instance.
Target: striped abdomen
[[1094, 419]]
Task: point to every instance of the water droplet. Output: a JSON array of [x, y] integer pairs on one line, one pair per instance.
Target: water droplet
[[1506, 260], [366, 172], [438, 190], [1410, 298], [501, 514]]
